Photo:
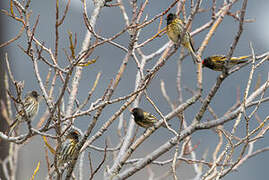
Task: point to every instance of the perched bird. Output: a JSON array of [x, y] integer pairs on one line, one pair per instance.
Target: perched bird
[[31, 106], [217, 62], [143, 118], [174, 31], [67, 149]]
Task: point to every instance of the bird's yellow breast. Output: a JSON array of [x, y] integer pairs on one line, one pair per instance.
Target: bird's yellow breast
[[171, 34]]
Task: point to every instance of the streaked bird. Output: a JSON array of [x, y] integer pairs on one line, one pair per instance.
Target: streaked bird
[[31, 106], [68, 147], [217, 62], [144, 119], [174, 30]]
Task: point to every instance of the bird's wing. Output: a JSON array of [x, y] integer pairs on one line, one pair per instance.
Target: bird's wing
[[150, 117], [13, 126], [239, 60], [178, 26], [220, 58], [179, 21], [27, 102]]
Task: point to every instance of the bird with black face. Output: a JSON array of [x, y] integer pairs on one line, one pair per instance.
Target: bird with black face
[[144, 119], [217, 62], [31, 107], [174, 30], [67, 149]]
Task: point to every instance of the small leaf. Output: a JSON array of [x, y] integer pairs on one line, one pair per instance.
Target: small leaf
[[87, 63], [72, 48], [48, 145], [11, 8], [36, 170]]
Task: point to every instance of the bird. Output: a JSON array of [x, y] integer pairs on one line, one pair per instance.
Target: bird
[[217, 62], [31, 107], [144, 119], [67, 149], [174, 30]]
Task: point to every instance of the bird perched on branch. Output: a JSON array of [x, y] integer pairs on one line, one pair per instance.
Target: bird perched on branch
[[174, 30], [31, 106], [67, 149], [144, 119], [217, 62]]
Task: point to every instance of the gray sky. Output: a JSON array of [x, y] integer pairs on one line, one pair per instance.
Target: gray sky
[[110, 22]]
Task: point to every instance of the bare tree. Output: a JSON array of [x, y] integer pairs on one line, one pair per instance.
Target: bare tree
[[233, 145]]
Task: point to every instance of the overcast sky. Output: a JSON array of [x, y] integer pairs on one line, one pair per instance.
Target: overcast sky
[[110, 22]]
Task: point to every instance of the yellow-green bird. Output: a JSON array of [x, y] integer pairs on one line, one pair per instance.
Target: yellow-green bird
[[217, 62], [68, 147], [144, 119], [174, 31]]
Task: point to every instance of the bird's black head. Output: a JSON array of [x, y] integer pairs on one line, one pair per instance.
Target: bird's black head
[[206, 62], [73, 134], [170, 17], [34, 94], [137, 112]]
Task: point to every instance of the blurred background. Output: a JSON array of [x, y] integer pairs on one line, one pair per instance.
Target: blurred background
[[110, 21]]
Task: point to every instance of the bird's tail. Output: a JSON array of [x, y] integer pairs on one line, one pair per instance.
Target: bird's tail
[[192, 52], [239, 60], [13, 126]]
